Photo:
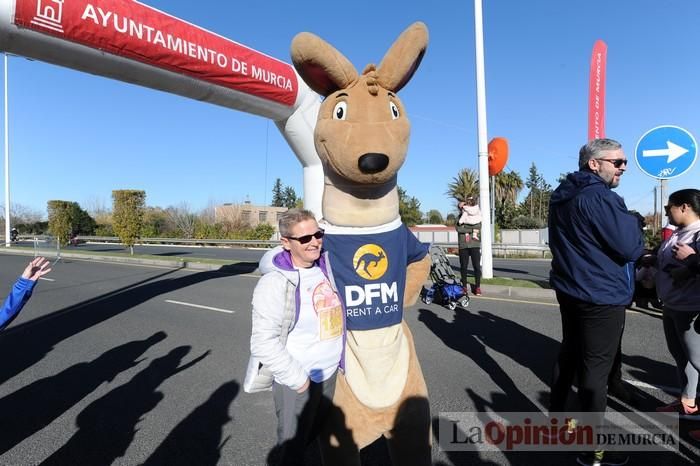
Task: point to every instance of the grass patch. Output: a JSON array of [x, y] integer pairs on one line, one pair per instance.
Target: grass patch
[[505, 281]]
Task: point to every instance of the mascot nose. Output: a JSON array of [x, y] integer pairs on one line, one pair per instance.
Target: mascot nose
[[373, 163]]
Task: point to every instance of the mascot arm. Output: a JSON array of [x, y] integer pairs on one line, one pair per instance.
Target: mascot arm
[[416, 275]]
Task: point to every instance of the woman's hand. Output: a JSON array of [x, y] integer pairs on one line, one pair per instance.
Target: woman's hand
[[36, 269], [681, 251]]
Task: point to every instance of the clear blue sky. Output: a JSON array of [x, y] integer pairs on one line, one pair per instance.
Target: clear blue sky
[[76, 136]]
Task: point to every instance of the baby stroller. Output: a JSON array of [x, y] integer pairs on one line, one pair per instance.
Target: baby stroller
[[446, 289]]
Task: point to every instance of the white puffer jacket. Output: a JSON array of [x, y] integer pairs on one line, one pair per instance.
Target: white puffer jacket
[[270, 299]]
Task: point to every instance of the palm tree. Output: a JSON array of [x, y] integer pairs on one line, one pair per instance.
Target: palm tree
[[508, 187], [465, 184]]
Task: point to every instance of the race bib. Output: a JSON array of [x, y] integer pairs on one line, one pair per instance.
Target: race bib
[[329, 311]]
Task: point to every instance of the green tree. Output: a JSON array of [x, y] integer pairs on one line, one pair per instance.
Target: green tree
[[263, 232], [409, 208], [81, 222], [465, 184], [155, 223], [127, 215], [289, 197], [523, 222], [532, 183], [278, 194], [60, 222], [451, 219], [537, 200], [507, 188], [434, 217]]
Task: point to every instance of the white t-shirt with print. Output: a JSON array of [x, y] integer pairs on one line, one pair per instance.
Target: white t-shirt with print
[[316, 341]]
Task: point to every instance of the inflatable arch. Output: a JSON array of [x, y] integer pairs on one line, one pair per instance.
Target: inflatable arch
[[135, 43]]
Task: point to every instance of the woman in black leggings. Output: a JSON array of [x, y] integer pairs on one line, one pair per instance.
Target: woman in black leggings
[[469, 241]]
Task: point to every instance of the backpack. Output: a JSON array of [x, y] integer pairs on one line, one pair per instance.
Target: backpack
[[258, 377]]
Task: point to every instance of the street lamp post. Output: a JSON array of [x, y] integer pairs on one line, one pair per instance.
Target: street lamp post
[[7, 168], [486, 233]]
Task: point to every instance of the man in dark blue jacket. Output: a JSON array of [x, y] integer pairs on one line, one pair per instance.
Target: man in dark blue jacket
[[594, 241], [22, 290]]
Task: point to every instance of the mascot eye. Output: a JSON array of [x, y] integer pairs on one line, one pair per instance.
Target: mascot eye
[[340, 111], [394, 110]]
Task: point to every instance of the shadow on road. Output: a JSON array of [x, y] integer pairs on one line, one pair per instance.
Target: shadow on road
[[108, 425], [197, 440], [471, 332], [34, 406], [31, 341]]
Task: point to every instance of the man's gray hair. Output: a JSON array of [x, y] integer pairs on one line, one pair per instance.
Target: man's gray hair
[[593, 150], [290, 218]]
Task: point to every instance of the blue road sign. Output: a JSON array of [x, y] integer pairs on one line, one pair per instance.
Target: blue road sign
[[666, 152]]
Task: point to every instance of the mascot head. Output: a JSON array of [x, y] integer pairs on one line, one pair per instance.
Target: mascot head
[[362, 130]]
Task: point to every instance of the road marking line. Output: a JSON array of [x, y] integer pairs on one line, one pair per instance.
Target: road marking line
[[47, 279], [199, 306], [491, 298], [640, 384]]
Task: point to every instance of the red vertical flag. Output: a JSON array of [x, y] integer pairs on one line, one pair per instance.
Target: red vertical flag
[[596, 92]]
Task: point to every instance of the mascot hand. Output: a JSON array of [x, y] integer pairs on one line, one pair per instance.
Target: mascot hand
[[416, 275]]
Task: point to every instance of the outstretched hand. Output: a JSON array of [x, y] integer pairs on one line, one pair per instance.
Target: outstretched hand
[[38, 267]]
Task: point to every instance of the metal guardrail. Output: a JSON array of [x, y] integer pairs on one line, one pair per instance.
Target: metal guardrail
[[499, 249]]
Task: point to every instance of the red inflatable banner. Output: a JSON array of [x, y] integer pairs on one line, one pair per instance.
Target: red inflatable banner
[[596, 91], [139, 32]]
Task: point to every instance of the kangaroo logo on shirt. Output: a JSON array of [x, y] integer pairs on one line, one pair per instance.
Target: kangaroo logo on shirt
[[370, 262]]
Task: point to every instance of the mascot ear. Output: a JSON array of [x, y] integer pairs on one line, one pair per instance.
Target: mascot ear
[[403, 58], [320, 65]]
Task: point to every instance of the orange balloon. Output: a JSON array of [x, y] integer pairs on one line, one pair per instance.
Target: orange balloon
[[498, 155]]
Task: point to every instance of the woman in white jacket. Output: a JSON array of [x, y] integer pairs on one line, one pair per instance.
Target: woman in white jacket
[[678, 287], [298, 333]]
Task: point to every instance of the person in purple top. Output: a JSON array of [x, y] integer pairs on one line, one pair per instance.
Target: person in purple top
[[22, 290], [298, 333]]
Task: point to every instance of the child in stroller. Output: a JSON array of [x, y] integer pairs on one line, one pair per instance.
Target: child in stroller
[[446, 288]]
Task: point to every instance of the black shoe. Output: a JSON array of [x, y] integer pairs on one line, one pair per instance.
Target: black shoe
[[602, 458]]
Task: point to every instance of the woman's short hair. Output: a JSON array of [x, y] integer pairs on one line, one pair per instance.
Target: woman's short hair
[[290, 218]]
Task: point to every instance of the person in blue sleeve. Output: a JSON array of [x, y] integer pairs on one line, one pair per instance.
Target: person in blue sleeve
[[22, 290]]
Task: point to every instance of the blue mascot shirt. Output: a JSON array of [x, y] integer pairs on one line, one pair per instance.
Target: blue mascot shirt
[[369, 269]]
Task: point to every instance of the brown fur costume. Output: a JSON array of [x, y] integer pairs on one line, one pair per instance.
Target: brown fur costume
[[362, 138]]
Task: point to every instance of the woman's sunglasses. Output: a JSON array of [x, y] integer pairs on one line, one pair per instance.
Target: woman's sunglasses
[[306, 238]]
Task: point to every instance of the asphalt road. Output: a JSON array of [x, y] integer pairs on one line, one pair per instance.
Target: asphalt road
[[122, 364], [525, 269]]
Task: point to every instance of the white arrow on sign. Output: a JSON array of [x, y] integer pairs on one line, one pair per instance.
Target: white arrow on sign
[[673, 151]]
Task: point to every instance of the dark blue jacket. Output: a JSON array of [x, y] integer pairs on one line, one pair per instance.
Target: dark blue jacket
[[20, 294], [594, 241]]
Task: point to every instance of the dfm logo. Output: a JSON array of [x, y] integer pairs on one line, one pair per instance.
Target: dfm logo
[[370, 262]]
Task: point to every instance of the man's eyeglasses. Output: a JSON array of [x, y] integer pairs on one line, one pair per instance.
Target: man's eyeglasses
[[306, 238], [617, 163]]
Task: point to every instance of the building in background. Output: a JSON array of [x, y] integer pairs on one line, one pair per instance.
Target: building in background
[[248, 213]]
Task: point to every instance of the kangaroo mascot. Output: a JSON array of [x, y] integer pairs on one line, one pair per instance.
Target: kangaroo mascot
[[378, 265]]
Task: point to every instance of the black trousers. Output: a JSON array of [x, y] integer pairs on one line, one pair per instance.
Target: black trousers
[[590, 339], [464, 255]]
